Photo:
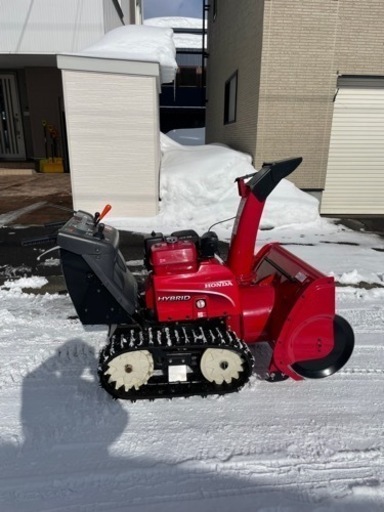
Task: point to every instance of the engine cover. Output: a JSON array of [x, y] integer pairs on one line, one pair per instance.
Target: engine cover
[[173, 256], [209, 292]]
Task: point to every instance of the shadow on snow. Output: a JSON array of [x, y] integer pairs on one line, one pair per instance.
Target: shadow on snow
[[65, 462]]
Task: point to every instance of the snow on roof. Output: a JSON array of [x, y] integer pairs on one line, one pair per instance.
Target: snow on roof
[[138, 43], [175, 22], [181, 40], [188, 41]]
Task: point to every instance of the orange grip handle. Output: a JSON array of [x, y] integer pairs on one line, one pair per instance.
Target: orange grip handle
[[107, 209]]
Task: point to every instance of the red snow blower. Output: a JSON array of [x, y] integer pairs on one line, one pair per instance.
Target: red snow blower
[[188, 331]]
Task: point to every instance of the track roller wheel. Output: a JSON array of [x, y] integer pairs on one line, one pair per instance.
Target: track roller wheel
[[130, 369], [220, 365]]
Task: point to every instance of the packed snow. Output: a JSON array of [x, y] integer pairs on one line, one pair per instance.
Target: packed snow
[[138, 43], [312, 446]]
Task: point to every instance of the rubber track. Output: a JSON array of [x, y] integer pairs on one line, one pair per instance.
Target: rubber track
[[174, 340]]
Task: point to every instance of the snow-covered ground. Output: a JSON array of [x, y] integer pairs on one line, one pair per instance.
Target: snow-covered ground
[[313, 446]]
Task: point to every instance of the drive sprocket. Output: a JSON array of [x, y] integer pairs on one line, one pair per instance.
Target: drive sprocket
[[220, 365], [130, 369]]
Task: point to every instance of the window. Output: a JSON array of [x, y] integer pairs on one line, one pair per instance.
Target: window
[[189, 76], [230, 99]]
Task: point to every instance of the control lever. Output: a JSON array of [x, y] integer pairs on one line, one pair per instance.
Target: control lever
[[99, 232], [98, 216]]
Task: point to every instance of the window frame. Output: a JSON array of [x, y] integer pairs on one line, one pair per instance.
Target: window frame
[[230, 114]]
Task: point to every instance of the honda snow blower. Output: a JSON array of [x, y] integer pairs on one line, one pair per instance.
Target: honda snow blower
[[188, 332]]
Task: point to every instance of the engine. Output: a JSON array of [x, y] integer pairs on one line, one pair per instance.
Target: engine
[[188, 281]]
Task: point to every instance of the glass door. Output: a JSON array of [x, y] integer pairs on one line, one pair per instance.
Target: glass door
[[11, 130]]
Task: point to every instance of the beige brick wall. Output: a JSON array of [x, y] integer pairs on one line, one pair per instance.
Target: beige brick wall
[[235, 39], [297, 88], [305, 45], [360, 37]]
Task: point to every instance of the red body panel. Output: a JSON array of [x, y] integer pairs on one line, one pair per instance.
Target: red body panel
[[256, 306], [241, 252], [209, 292], [300, 326]]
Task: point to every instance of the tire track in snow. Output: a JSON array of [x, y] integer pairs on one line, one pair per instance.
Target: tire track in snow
[[361, 371], [65, 358], [367, 320], [309, 482]]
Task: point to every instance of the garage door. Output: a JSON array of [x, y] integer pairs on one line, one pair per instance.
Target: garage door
[[355, 174]]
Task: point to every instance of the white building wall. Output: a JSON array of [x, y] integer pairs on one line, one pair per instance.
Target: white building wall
[[355, 175], [132, 10], [112, 17], [113, 136], [54, 26]]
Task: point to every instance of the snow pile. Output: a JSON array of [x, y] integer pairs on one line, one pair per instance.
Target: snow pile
[[354, 277], [141, 43], [182, 40], [289, 205], [188, 136], [6, 318], [197, 190], [25, 282]]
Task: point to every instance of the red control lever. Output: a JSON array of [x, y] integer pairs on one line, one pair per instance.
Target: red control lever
[[107, 209]]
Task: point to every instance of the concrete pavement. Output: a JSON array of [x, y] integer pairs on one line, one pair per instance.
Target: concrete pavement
[[26, 199]]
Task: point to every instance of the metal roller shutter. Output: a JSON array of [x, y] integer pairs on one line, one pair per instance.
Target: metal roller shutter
[[355, 174]]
